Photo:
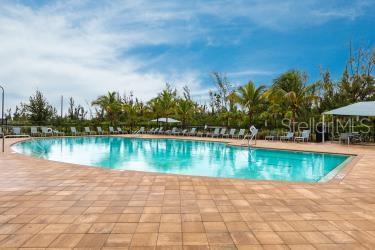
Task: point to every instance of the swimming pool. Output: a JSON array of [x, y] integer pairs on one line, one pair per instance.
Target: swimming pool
[[189, 157]]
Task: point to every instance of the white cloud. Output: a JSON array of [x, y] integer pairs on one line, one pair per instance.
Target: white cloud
[[82, 48], [61, 52], [251, 72]]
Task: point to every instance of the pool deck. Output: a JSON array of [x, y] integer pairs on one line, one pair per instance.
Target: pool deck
[[45, 204]]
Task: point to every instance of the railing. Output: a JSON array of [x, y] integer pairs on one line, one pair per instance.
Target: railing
[[251, 136]]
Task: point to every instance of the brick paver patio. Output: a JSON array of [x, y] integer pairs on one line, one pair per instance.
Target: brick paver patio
[[46, 204]]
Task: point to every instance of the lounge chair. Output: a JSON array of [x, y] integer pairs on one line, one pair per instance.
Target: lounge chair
[[112, 131], [288, 137], [141, 131], [345, 137], [120, 131], [183, 132], [170, 132], [74, 131], [150, 131], [57, 133], [216, 133], [99, 130], [34, 131], [192, 132], [88, 131], [176, 132], [231, 133], [155, 131], [305, 136], [240, 134], [47, 131], [356, 137], [223, 132], [161, 130], [272, 136]]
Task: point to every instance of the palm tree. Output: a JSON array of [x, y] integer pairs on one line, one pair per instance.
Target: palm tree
[[154, 107], [251, 98], [165, 103], [291, 89], [231, 113], [111, 105], [273, 111], [185, 110]]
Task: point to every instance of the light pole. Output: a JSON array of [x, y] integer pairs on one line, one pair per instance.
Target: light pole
[[2, 114], [2, 106]]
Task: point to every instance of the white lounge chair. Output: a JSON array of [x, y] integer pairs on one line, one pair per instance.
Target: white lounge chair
[[74, 131], [305, 136], [99, 130], [34, 131], [141, 131], [223, 132], [192, 132], [47, 131], [288, 137], [216, 133], [176, 132], [356, 137], [170, 132], [150, 131], [161, 130], [120, 131], [231, 133], [183, 132], [155, 131], [240, 134], [57, 133], [88, 131], [112, 131], [272, 136], [345, 137]]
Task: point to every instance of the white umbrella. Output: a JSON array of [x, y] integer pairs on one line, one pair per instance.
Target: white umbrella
[[166, 120]]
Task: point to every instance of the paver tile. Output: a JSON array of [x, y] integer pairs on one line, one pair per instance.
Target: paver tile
[[56, 205]]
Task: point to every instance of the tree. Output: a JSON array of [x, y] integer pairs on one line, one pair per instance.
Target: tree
[[357, 82], [131, 113], [291, 89], [223, 89], [155, 107], [38, 110], [185, 110], [71, 113], [165, 102], [251, 99], [110, 104], [76, 112]]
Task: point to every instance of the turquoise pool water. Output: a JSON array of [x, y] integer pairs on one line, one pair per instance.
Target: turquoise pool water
[[184, 157]]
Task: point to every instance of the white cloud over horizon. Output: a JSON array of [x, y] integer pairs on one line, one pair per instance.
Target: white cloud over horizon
[[83, 49]]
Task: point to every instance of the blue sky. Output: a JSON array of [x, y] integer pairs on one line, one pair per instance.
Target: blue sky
[[85, 48]]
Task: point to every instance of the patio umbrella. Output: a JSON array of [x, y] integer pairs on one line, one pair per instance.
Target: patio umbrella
[[166, 120]]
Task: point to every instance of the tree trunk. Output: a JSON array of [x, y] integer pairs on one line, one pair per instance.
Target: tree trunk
[[250, 114]]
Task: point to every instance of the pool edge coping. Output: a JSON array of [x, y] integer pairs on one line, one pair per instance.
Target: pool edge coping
[[330, 177]]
